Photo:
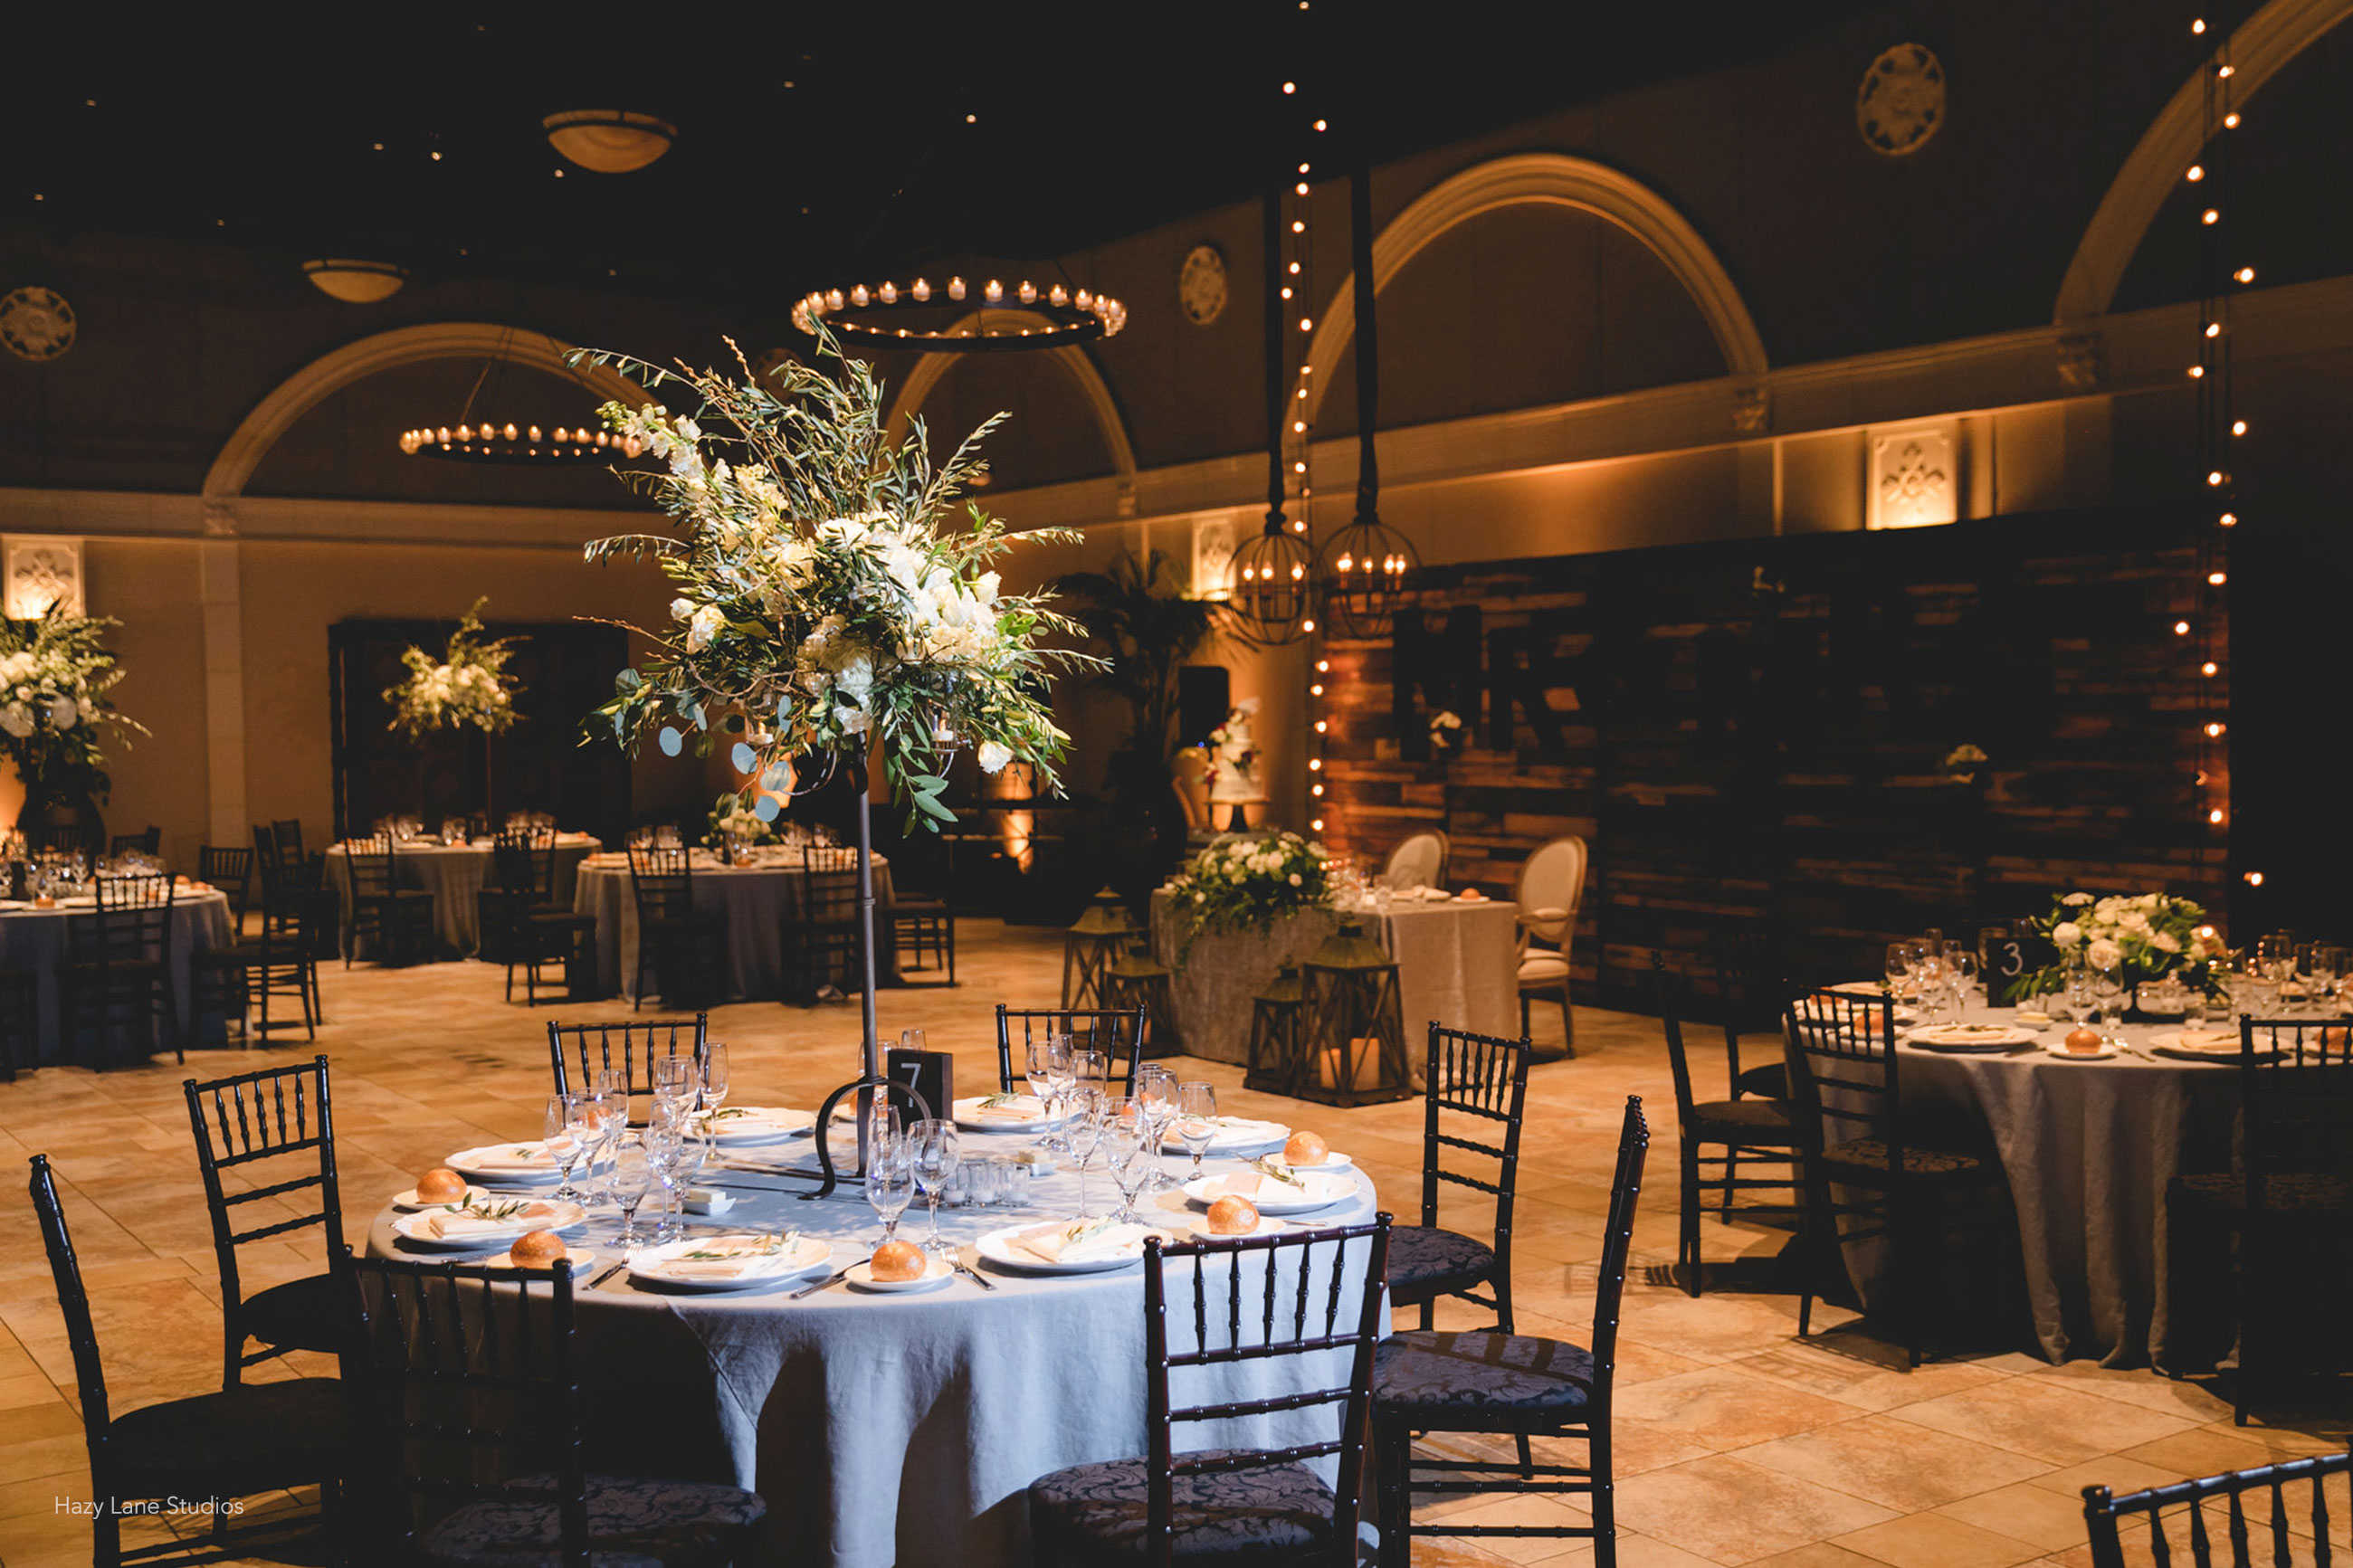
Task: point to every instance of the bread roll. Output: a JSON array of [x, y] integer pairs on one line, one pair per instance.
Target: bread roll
[[1233, 1216], [1306, 1148], [2083, 1042], [440, 1185], [537, 1249], [899, 1261]]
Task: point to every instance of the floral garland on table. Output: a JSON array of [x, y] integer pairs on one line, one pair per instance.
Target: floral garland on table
[[56, 717], [467, 686], [2144, 938], [1249, 883], [823, 600]]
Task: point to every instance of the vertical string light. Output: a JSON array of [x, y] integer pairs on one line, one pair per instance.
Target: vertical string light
[[2219, 431], [1304, 132]]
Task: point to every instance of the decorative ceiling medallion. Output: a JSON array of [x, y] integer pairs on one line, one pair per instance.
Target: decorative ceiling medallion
[[37, 323], [1901, 100], [1201, 285]]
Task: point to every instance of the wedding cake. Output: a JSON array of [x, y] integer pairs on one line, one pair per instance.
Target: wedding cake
[[1233, 757]]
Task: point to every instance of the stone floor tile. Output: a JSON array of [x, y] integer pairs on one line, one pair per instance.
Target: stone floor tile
[[1935, 1541]]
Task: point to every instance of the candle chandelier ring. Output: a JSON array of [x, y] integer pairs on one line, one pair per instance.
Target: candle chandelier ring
[[1054, 317]]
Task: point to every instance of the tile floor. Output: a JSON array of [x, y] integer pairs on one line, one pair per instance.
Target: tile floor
[[1737, 1444]]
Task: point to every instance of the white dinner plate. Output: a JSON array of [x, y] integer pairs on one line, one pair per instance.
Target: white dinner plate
[[1275, 1197], [417, 1228], [937, 1271], [575, 1261], [506, 1162], [1334, 1160], [2202, 1045], [1003, 1249], [1198, 1225], [734, 1126], [2058, 1051], [1969, 1036], [409, 1203], [968, 1115], [1237, 1135], [805, 1256]]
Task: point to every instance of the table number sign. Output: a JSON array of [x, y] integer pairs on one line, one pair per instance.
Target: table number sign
[[2002, 960], [930, 1074]]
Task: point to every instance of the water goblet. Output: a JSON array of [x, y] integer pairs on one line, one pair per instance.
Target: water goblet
[[1085, 1130], [891, 1179], [1125, 1131], [1900, 956], [1092, 1067], [674, 1079], [632, 1173], [1062, 1063], [933, 1149], [2108, 992], [1196, 1120], [911, 1040], [565, 1142], [1156, 1092]]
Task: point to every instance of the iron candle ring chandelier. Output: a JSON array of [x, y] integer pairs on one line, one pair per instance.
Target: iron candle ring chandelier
[[492, 443], [1068, 315]]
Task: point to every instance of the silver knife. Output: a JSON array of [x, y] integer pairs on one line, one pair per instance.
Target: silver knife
[[974, 1274], [836, 1278], [608, 1274]]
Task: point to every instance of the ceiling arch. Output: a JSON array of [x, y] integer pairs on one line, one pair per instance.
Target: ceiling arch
[[925, 376], [2263, 43], [1557, 179], [268, 421]]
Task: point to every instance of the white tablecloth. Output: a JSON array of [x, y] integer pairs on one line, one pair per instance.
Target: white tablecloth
[[758, 900], [454, 873], [34, 939], [901, 1429], [1457, 964]]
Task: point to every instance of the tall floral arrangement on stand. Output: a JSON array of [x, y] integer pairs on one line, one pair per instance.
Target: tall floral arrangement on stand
[[831, 602], [56, 717], [1249, 883], [467, 686]]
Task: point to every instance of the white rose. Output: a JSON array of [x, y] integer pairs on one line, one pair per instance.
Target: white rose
[[17, 720], [2076, 900], [2103, 954], [993, 757], [703, 626], [62, 713], [88, 709], [682, 609], [851, 721], [2066, 933], [2165, 941], [1294, 879]]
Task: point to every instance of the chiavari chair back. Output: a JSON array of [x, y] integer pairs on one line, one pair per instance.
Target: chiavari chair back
[[579, 1053], [2266, 1515], [1117, 1033]]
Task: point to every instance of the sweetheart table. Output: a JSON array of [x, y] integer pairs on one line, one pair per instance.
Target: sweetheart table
[[900, 1428]]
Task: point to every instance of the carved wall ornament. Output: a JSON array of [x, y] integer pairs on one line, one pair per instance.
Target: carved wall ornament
[[43, 570], [1914, 476], [37, 323], [1901, 103], [1213, 557], [2083, 361], [1201, 285], [1752, 410]]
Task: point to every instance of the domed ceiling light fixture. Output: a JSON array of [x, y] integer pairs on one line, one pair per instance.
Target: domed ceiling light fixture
[[609, 141], [353, 281]]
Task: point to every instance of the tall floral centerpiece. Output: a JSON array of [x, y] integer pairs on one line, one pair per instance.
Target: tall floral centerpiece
[[56, 720], [831, 603], [1249, 884], [468, 687], [2143, 938]]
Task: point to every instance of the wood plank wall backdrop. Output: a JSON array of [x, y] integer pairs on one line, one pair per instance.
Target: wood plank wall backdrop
[[1754, 732]]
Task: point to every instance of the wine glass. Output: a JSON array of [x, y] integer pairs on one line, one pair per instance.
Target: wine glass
[[565, 1144], [934, 1150], [1086, 1130], [1156, 1094], [1900, 959], [714, 1080], [1125, 1131], [673, 1077], [1960, 974], [663, 1137], [911, 1040], [2107, 1001], [891, 1178], [1196, 1120], [632, 1173], [1061, 1064], [1037, 1070], [1092, 1067]]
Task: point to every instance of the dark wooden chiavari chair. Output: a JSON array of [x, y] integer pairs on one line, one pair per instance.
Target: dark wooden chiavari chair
[[247, 1440], [147, 841], [229, 867], [1117, 1033], [277, 1132], [473, 1403], [398, 919], [530, 929], [1471, 1084], [1844, 1104], [2178, 1521], [632, 1046], [117, 980], [1497, 1383], [286, 833], [821, 937], [681, 943], [922, 935], [2288, 1200], [1758, 1129], [1280, 1297], [1751, 984]]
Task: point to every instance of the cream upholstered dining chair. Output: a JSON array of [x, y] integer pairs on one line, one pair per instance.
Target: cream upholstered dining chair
[[1551, 882], [1418, 862]]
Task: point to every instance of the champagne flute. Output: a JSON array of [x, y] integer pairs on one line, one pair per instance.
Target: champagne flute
[[1038, 1070], [663, 1139], [673, 1075], [1126, 1130], [714, 1080], [1092, 1067], [891, 1179], [935, 1158], [1196, 1120], [1086, 1135], [632, 1173], [1062, 1063], [563, 1142], [1155, 1096]]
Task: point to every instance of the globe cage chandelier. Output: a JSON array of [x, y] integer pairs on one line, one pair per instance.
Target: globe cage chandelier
[[487, 440], [1054, 317], [1274, 587]]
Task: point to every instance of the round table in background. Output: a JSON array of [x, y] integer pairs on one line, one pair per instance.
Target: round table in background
[[454, 873], [758, 900], [34, 939], [897, 1429], [2087, 1149]]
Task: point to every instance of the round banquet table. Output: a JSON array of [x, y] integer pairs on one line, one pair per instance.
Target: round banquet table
[[1457, 962], [2087, 1149], [454, 873], [901, 1428], [34, 939], [757, 900]]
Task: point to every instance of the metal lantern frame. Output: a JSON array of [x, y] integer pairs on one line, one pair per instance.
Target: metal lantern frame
[[1091, 946], [1278, 1049], [1367, 571], [1137, 979], [1353, 1008], [1274, 600]]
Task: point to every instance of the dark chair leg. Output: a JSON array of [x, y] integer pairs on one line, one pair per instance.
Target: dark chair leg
[[1393, 1459], [1604, 1501], [1687, 1242], [1567, 1023], [106, 1536], [1731, 1170]]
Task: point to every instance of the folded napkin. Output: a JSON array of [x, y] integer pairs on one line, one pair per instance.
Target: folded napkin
[[459, 1225], [1247, 1184], [1009, 1108], [729, 1257], [1081, 1240], [2210, 1039], [521, 1157]]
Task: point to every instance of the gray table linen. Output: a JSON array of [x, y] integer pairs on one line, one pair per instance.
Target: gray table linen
[[758, 902], [455, 876], [36, 939]]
